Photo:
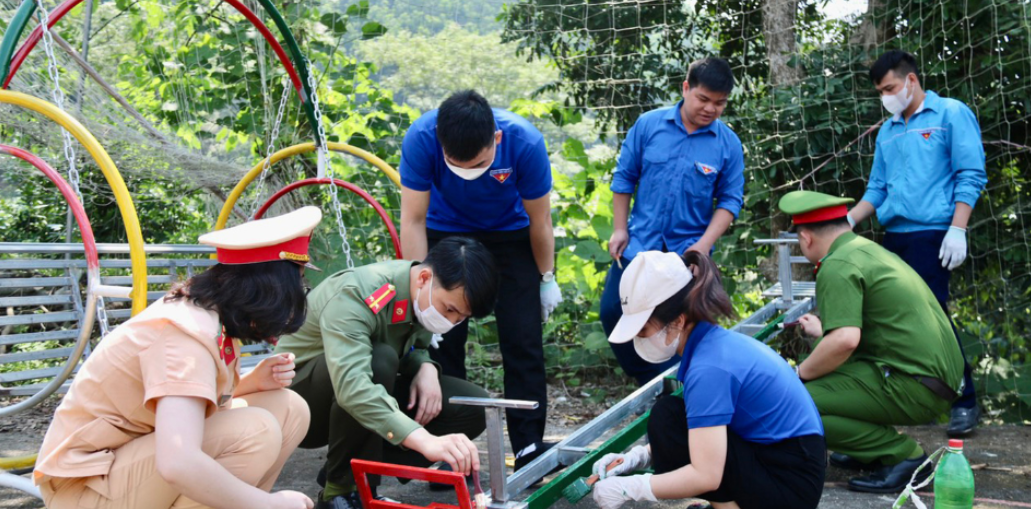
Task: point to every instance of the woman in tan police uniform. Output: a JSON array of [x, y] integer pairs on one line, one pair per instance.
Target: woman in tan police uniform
[[159, 416]]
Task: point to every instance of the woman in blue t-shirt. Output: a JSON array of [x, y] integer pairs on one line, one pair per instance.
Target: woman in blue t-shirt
[[745, 434]]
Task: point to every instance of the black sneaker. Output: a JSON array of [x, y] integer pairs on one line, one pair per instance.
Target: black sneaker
[[439, 486], [350, 500], [525, 459]]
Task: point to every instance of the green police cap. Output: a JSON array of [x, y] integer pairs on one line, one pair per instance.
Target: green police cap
[[812, 207]]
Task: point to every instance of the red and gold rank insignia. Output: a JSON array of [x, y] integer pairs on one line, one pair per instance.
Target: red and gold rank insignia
[[400, 311], [226, 349], [380, 297]]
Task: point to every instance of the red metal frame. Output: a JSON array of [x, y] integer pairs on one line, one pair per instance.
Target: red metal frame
[[68, 5], [89, 243], [362, 468], [346, 185]]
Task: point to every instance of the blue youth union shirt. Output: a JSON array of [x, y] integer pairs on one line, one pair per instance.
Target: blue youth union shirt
[[921, 169], [492, 202], [733, 380], [680, 179]]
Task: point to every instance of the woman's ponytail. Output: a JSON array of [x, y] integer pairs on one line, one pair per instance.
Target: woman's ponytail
[[706, 300], [702, 300]]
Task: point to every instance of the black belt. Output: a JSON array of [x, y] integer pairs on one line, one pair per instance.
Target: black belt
[[938, 387]]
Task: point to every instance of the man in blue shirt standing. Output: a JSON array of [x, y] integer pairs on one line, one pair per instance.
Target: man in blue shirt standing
[[928, 171], [473, 171], [687, 170]]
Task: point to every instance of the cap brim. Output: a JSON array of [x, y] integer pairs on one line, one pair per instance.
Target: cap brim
[[629, 326], [312, 266]]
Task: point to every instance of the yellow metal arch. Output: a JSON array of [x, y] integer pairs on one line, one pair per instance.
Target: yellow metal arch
[[138, 259], [303, 148]]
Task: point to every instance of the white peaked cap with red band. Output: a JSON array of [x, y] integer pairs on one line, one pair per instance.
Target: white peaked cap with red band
[[284, 237]]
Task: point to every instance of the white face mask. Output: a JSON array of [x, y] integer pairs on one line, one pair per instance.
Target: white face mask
[[472, 173], [654, 349], [897, 103], [430, 318]]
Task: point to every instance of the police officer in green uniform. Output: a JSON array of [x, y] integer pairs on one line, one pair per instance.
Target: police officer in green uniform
[[886, 354], [364, 369]]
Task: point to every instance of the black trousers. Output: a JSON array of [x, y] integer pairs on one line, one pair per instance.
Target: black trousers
[[347, 439], [520, 331], [785, 475]]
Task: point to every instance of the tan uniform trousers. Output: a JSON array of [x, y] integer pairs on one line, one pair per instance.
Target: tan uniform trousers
[[252, 441]]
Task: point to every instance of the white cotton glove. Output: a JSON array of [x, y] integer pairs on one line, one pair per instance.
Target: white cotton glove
[[613, 492], [851, 222], [634, 459], [436, 340], [954, 248], [551, 297]]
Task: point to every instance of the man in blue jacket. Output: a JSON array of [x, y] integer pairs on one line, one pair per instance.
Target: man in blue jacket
[[928, 171], [685, 170]]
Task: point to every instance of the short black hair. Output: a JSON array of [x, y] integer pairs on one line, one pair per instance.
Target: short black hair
[[462, 261], [894, 60], [824, 227], [712, 73], [254, 301], [465, 125]]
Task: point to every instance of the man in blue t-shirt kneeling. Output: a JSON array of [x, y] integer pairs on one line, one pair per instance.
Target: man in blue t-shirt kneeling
[[474, 171]]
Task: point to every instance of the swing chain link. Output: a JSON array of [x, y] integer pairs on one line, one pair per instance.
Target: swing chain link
[[267, 165], [69, 148], [58, 95], [324, 170]]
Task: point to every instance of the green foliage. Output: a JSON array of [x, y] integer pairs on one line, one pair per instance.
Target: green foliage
[[431, 17], [426, 69]]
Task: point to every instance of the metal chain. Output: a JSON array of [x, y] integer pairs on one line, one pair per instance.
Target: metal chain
[[58, 95], [323, 166], [69, 147], [271, 147]]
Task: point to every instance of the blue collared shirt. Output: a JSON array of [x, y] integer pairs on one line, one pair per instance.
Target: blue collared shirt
[[678, 178], [736, 381], [921, 169], [492, 202]]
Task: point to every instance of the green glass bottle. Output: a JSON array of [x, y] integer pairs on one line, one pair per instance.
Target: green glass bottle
[[953, 479]]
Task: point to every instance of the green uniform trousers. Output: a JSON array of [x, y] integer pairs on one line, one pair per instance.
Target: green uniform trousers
[[347, 439], [859, 405]]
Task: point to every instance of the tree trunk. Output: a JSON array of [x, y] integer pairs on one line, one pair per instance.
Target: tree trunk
[[779, 23], [875, 29], [779, 20]]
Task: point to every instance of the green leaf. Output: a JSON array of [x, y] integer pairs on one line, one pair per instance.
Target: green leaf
[[372, 30], [335, 22], [360, 9]]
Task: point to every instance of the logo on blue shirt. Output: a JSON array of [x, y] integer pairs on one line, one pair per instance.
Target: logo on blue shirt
[[707, 169], [501, 175]]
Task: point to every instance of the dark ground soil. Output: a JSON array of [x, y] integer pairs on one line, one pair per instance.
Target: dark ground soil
[[1001, 456]]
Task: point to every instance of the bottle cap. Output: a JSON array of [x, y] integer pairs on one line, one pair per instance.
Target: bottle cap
[[956, 444]]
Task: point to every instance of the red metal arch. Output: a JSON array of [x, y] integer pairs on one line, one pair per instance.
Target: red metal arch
[[346, 185], [89, 243], [68, 5]]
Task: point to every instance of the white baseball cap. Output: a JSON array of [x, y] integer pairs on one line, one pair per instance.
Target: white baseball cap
[[650, 279]]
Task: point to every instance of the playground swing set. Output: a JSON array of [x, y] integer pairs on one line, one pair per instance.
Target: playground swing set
[[70, 310]]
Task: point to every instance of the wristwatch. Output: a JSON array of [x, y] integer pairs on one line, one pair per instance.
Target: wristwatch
[[547, 277]]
